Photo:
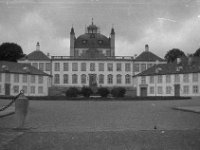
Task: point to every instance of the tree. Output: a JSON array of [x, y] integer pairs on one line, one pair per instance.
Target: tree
[[10, 52], [197, 53], [171, 55]]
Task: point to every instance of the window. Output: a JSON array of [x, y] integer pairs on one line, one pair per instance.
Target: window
[[186, 78], [107, 53], [110, 79], [35, 65], [40, 89], [101, 66], [151, 79], [168, 78], [149, 66], [74, 66], [127, 79], [143, 67], [57, 67], [57, 79], [74, 79], [32, 79], [101, 79], [195, 77], [119, 79], [83, 79], [16, 88], [16, 78], [159, 79], [48, 67], [65, 67], [151, 90], [0, 88], [65, 78], [110, 66], [83, 66], [177, 78], [92, 66], [143, 80], [195, 89], [136, 67], [0, 77], [7, 76], [160, 90], [41, 66], [127, 67], [40, 79], [119, 67], [186, 89], [24, 78], [24, 89], [168, 89], [32, 89]]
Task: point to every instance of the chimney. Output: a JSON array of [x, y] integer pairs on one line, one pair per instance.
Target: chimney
[[146, 48], [38, 46], [178, 60], [48, 55]]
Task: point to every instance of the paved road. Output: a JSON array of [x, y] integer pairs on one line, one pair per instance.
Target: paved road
[[107, 115]]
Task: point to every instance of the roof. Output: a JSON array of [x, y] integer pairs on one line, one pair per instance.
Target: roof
[[184, 67], [18, 68], [92, 40], [148, 56], [36, 55]]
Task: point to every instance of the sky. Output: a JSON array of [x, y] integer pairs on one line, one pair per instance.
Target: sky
[[162, 24]]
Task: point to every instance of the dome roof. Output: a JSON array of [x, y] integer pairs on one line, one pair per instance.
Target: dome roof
[[92, 40]]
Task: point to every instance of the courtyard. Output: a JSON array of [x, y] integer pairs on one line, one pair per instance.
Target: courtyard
[[106, 119]]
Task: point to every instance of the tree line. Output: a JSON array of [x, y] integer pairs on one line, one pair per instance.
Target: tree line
[[13, 52]]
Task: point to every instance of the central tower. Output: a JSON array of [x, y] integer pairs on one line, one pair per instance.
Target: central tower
[[92, 44]]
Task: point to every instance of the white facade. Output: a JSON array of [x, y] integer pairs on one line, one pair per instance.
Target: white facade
[[33, 85], [103, 72], [168, 85]]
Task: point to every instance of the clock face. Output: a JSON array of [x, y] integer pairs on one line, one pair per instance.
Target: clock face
[[84, 41], [100, 41]]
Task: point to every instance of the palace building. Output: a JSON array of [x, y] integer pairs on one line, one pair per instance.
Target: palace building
[[92, 62]]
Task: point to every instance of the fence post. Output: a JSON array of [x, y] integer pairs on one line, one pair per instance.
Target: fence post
[[21, 110]]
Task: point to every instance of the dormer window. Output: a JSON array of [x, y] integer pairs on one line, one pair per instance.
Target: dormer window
[[84, 41], [92, 36]]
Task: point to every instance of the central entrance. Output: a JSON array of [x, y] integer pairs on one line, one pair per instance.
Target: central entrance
[[93, 82]]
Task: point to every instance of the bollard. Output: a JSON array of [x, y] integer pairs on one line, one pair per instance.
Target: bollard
[[21, 110]]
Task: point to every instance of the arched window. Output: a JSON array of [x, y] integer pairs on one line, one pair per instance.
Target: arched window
[[74, 79], [57, 79], [119, 79], [110, 79], [83, 79], [65, 78], [127, 79], [101, 79]]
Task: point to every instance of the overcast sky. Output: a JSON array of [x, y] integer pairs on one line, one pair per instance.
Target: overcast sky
[[163, 24]]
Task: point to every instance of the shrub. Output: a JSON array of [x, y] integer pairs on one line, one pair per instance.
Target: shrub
[[118, 92], [103, 92], [72, 92], [86, 91]]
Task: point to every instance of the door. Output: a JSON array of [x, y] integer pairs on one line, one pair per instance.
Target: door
[[177, 90], [143, 91], [92, 80], [7, 89]]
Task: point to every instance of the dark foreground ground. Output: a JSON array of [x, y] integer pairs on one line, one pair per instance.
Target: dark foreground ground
[[103, 125]]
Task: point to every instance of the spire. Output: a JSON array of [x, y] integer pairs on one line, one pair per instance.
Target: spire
[[112, 31], [38, 46], [72, 30], [92, 20]]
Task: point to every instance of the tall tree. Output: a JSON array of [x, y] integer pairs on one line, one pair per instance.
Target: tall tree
[[10, 52], [171, 55], [197, 53]]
